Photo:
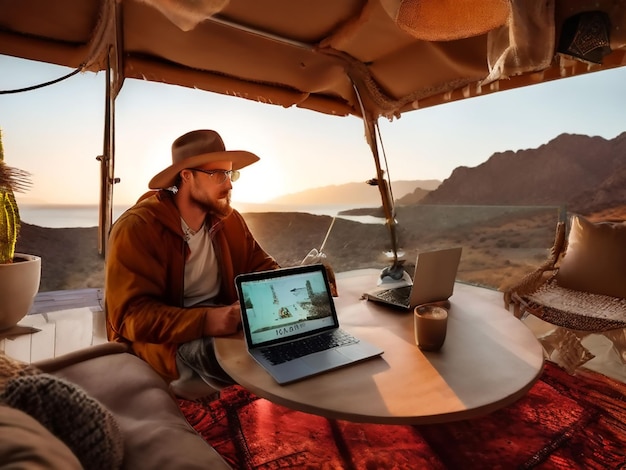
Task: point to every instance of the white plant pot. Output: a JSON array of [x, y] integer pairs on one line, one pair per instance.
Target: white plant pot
[[19, 283]]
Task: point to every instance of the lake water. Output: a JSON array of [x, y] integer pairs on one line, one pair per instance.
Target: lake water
[[62, 216]]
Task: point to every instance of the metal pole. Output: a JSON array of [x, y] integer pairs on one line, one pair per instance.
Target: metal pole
[[106, 190], [114, 82], [395, 271]]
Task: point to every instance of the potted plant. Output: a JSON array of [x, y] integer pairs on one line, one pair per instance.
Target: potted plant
[[20, 273]]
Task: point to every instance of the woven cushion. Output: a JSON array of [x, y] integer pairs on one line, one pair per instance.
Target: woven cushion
[[575, 309], [595, 259]]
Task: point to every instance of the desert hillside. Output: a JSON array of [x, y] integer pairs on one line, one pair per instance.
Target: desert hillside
[[499, 244], [585, 173]]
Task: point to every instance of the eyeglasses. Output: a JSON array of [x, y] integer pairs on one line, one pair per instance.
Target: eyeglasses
[[222, 174]]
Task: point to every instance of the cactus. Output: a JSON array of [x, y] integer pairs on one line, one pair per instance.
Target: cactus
[[11, 179]]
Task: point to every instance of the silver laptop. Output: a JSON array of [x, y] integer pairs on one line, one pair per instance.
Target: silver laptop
[[433, 281], [291, 326]]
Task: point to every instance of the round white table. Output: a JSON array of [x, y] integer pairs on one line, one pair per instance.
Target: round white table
[[489, 360]]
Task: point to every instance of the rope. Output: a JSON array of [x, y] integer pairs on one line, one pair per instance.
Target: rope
[[41, 85]]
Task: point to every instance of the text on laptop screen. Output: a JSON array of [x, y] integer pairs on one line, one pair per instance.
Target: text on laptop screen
[[282, 307]]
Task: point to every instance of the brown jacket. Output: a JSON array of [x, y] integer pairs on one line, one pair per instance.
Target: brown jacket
[[145, 274]]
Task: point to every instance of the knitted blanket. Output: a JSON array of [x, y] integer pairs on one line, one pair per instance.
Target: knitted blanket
[[565, 422], [66, 410]]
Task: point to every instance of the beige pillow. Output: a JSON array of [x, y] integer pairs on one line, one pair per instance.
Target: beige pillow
[[595, 260]]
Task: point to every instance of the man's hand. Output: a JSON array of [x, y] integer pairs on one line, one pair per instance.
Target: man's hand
[[222, 321]]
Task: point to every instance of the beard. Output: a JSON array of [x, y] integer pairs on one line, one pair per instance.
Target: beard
[[219, 207]]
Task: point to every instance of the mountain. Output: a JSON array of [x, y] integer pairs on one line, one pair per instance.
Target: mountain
[[610, 193], [413, 198], [585, 173], [353, 193]]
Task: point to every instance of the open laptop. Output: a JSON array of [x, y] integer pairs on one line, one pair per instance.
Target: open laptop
[[291, 325], [433, 281]]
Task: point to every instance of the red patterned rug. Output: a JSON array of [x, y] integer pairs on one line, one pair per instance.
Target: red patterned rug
[[564, 422]]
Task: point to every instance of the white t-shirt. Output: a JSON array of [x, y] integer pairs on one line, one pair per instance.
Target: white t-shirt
[[202, 277]]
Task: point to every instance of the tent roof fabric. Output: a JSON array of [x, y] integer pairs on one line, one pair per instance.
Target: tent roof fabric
[[399, 55]]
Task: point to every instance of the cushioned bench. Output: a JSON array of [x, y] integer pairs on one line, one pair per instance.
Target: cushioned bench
[[154, 432]]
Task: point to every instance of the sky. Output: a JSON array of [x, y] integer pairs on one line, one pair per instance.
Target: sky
[[56, 133]]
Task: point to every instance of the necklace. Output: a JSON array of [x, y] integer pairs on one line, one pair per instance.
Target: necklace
[[188, 232]]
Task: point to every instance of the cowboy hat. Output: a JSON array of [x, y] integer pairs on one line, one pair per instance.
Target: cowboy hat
[[197, 148]]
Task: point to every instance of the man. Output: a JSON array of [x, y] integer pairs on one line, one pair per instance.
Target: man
[[172, 259]]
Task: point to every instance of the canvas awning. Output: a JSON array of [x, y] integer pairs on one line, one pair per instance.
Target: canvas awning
[[368, 58]]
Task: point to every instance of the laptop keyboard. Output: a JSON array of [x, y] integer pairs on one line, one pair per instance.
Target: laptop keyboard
[[303, 347], [398, 295]]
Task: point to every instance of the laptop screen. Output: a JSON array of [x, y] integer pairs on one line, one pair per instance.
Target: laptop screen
[[284, 304]]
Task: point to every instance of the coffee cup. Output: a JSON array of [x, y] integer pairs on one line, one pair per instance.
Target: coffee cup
[[431, 324]]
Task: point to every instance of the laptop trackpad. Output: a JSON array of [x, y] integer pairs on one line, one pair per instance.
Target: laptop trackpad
[[325, 359]]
